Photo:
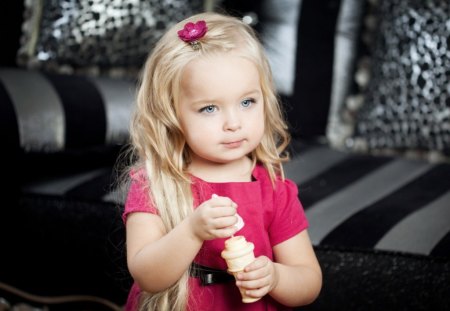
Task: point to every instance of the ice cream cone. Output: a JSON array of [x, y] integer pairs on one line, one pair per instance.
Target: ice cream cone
[[238, 253]]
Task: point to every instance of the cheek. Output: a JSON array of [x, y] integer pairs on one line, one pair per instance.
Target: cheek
[[259, 125], [194, 130], [260, 130]]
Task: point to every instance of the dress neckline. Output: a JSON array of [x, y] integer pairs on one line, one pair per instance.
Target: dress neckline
[[254, 178]]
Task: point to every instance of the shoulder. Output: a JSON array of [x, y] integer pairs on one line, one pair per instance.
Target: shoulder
[[138, 196], [138, 175], [138, 184], [280, 185], [287, 215]]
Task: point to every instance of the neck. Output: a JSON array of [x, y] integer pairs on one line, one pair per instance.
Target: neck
[[236, 171]]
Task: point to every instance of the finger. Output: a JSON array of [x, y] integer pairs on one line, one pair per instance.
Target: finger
[[254, 283], [222, 201], [257, 293], [223, 232], [253, 275], [224, 221], [223, 211], [259, 263]]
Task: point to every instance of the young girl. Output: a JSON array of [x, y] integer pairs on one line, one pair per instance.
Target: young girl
[[207, 138]]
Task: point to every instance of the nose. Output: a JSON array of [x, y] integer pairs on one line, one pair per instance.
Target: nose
[[232, 121]]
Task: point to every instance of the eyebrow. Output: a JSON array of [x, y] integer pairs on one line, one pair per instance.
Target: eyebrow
[[253, 92], [203, 102], [211, 100], [246, 94]]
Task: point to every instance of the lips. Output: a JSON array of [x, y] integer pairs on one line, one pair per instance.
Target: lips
[[233, 144]]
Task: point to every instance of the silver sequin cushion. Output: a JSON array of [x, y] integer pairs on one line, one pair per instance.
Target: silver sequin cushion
[[400, 99], [110, 37]]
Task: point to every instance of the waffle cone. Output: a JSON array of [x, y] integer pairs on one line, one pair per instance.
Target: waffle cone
[[238, 253]]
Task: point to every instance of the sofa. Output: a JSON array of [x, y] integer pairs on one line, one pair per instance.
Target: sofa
[[364, 85]]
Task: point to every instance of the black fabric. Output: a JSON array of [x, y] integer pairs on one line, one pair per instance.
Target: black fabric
[[11, 17], [9, 128], [10, 151], [308, 107], [442, 249], [338, 177], [84, 110], [367, 227], [94, 188], [13, 298], [65, 247], [380, 280], [42, 166]]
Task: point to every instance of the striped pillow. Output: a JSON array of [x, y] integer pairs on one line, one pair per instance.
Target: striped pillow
[[50, 113], [359, 201]]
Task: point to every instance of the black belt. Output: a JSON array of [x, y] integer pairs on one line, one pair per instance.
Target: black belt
[[209, 276]]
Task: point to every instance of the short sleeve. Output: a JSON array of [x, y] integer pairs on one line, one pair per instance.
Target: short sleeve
[[289, 216], [138, 199]]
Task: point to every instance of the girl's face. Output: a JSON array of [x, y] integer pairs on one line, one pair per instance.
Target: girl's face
[[221, 109]]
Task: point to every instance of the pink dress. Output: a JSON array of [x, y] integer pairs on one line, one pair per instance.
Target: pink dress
[[271, 216]]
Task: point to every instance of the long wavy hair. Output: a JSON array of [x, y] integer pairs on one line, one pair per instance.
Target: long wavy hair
[[158, 146]]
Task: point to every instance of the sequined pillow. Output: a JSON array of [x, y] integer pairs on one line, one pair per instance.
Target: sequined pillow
[[96, 36], [398, 98]]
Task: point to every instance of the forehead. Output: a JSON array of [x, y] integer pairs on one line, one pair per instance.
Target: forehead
[[219, 73]]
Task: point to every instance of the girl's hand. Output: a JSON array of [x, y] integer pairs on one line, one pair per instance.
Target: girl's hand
[[258, 278], [214, 218]]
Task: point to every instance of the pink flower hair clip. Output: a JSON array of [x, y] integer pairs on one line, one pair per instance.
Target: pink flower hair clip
[[192, 32]]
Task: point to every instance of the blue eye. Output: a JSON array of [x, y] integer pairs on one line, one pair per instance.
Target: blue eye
[[208, 109], [247, 102]]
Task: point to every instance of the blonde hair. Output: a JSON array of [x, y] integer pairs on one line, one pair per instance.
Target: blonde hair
[[157, 142]]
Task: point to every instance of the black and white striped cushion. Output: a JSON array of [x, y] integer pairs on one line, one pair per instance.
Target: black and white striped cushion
[[54, 113], [367, 202]]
